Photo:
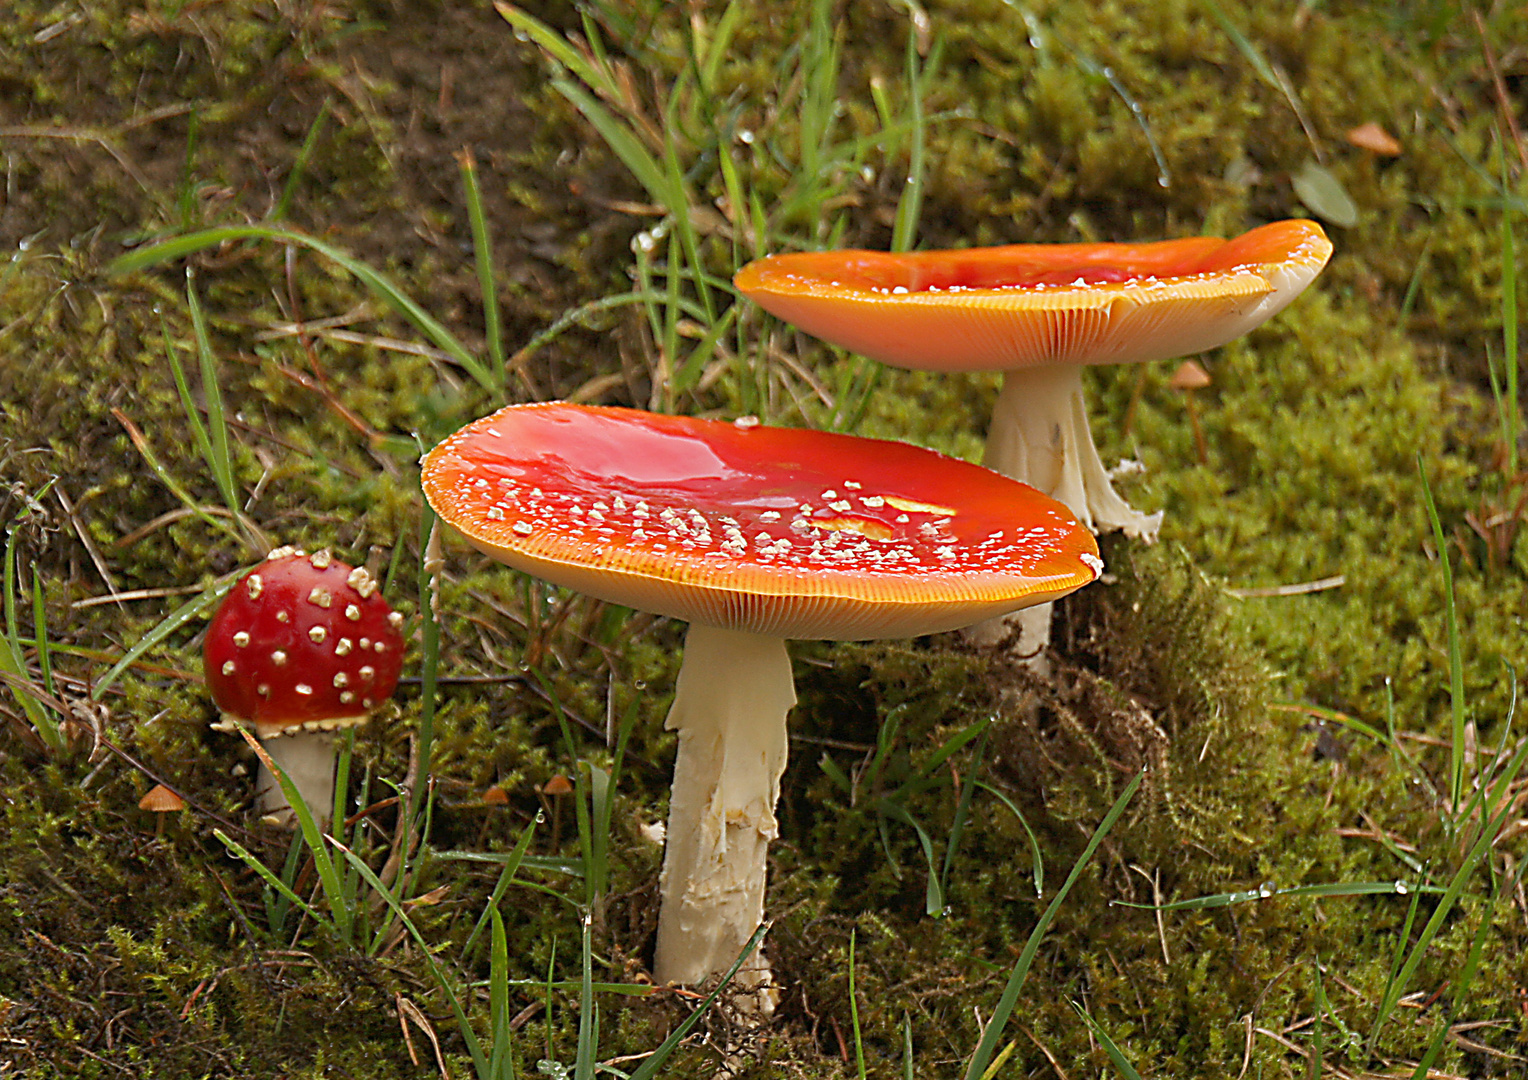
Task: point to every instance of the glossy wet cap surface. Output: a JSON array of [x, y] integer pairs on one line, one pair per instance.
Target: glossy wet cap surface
[[781, 531]]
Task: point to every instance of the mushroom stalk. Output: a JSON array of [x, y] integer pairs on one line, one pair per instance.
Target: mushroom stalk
[[307, 757], [730, 706], [1040, 436]]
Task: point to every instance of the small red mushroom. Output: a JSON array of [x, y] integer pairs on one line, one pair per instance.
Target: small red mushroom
[[302, 646]]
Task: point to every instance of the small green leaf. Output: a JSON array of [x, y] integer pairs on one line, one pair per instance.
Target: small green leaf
[[1324, 194]]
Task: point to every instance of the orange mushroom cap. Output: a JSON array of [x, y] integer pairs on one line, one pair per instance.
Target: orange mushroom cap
[[777, 531], [161, 800], [1001, 308]]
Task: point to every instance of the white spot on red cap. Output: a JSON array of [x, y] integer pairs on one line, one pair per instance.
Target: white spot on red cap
[[362, 582]]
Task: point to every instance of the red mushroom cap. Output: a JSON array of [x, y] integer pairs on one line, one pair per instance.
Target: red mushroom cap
[[302, 642], [1000, 308], [781, 531]]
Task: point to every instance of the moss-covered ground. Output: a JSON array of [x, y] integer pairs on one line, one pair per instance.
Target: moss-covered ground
[[1291, 734]]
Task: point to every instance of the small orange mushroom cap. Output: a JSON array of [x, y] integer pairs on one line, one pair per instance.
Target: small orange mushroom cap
[[161, 800], [779, 531], [1003, 308]]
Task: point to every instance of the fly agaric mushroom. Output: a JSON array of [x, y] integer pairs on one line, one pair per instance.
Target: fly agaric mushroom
[[754, 535], [1039, 313], [300, 648]]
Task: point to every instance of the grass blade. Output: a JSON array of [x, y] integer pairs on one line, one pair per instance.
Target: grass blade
[[1489, 829], [377, 282], [248, 858], [588, 1011], [506, 876], [215, 438], [499, 1063], [660, 1056], [482, 249], [300, 163], [910, 202], [1338, 888], [1510, 420], [341, 915], [1035, 855], [171, 623], [854, 1021], [962, 815], [987, 1045], [464, 1027], [1455, 663], [1116, 1055]]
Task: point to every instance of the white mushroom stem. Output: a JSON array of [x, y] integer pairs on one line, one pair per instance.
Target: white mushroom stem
[[307, 757], [730, 705], [1040, 435]]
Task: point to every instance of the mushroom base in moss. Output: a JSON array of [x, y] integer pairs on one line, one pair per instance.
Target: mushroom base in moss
[[734, 692]]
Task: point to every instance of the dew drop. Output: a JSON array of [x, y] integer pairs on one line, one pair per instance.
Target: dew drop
[[1266, 890], [1402, 888]]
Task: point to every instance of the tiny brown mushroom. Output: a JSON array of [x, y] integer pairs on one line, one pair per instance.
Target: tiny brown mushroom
[[159, 801], [1188, 378]]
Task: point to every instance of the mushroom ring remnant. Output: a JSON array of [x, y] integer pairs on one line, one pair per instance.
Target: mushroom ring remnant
[[1038, 312], [302, 646], [754, 535]]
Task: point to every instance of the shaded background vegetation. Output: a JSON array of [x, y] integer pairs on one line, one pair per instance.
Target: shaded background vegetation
[[130, 947]]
